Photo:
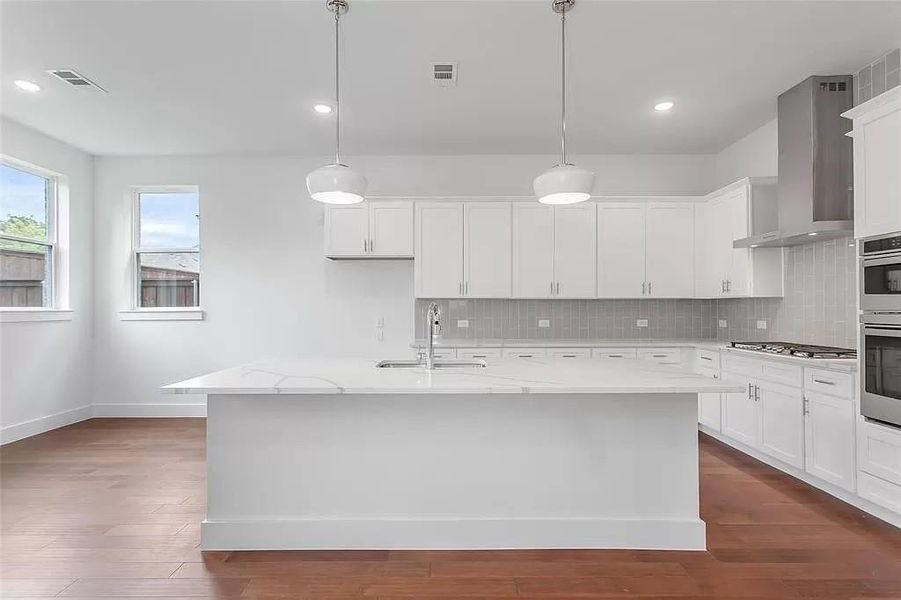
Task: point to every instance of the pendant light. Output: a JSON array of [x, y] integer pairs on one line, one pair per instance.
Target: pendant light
[[336, 183], [564, 183]]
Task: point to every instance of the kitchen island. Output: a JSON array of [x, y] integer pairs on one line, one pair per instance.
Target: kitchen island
[[337, 454]]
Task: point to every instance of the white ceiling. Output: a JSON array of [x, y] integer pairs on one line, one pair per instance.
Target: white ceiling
[[217, 77]]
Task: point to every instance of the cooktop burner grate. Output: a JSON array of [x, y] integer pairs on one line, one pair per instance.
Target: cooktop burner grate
[[799, 350]]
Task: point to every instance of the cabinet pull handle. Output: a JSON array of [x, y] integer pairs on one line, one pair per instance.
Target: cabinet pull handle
[[558, 288], [756, 393], [479, 356], [823, 381], [460, 288], [364, 245], [749, 391], [705, 358], [729, 286], [805, 407], [644, 285], [658, 356], [649, 288], [723, 286], [466, 288], [371, 245], [614, 356], [525, 356], [568, 356], [552, 288]]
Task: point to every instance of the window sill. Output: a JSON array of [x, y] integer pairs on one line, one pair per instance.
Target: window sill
[[26, 315], [162, 314]]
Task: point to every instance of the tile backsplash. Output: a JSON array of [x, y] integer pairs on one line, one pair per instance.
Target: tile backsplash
[[819, 307]]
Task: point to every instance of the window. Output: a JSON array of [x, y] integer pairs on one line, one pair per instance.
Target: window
[[27, 236], [167, 247]]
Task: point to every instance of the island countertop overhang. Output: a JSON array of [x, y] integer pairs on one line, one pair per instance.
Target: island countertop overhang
[[360, 376]]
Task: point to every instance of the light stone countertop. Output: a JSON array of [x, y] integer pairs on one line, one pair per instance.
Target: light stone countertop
[[516, 376], [848, 365]]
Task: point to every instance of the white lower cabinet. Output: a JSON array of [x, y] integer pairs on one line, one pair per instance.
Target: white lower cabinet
[[710, 404], [879, 464], [741, 415], [781, 422], [829, 439]]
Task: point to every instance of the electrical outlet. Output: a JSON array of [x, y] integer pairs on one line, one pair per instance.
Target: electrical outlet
[[723, 323], [761, 324], [544, 323], [462, 323], [641, 323]]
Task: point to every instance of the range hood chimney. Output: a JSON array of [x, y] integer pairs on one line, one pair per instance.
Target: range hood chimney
[[815, 188]]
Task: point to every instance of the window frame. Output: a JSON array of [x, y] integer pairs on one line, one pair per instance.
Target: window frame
[[51, 295], [138, 312]]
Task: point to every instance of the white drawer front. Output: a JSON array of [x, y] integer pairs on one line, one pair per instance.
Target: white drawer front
[[478, 353], [569, 353], [708, 359], [525, 353], [737, 365], [829, 382], [879, 451], [614, 353], [783, 373], [878, 491], [661, 356]]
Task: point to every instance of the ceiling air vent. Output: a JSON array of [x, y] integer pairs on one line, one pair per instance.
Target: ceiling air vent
[[75, 79], [444, 74]]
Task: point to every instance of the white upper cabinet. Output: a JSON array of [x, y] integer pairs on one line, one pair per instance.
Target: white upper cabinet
[[533, 250], [371, 229], [390, 228], [463, 250], [487, 249], [723, 270], [669, 250], [621, 248], [877, 164], [438, 268], [554, 251], [575, 251], [646, 250]]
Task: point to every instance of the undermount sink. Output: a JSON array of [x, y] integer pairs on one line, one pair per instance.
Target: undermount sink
[[438, 364]]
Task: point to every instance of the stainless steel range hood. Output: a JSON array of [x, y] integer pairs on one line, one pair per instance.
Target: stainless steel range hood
[[815, 165]]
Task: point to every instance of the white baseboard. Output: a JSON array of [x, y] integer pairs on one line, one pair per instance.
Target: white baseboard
[[20, 431], [150, 410], [452, 534], [844, 495]]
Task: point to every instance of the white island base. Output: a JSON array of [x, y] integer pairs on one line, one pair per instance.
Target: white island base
[[431, 470]]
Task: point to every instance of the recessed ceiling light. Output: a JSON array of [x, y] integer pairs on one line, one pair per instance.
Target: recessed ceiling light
[[322, 109], [664, 106], [28, 86], [812, 233], [754, 245]]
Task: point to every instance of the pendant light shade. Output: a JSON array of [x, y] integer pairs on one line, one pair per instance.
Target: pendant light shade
[[565, 183], [337, 183]]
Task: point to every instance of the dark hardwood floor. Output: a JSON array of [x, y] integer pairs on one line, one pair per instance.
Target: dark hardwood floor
[[109, 508]]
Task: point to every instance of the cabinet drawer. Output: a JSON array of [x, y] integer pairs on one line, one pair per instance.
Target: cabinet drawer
[[614, 353], [478, 353], [879, 491], [879, 451], [782, 373], [739, 365], [568, 353], [525, 353], [708, 359], [661, 356], [829, 382]]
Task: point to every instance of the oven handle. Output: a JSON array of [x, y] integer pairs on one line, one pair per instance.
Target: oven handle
[[884, 259]]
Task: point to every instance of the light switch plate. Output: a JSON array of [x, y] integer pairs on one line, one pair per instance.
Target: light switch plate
[[543, 323], [723, 323], [462, 323], [761, 324], [641, 323]]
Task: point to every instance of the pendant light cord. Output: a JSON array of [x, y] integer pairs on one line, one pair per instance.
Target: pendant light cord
[[563, 89], [337, 93]]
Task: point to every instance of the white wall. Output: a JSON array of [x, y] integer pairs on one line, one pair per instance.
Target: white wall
[[46, 367], [755, 155], [265, 287]]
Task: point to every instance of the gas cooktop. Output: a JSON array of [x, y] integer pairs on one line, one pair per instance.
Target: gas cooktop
[[799, 350]]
